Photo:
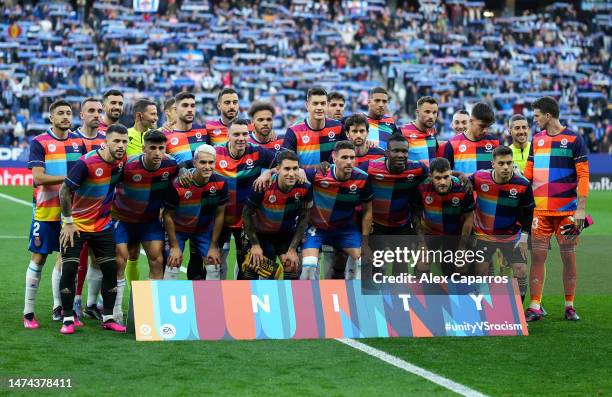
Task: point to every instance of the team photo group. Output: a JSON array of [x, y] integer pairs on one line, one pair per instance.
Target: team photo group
[[282, 203]]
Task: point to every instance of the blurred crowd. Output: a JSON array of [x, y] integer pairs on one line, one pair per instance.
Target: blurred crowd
[[452, 50]]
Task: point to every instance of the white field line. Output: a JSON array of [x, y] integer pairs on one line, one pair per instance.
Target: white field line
[[369, 350]]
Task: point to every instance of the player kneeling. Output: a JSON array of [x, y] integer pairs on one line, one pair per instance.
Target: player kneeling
[[503, 215], [275, 221], [196, 213]]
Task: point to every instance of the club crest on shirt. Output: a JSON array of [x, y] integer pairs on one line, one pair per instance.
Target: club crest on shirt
[[541, 142], [331, 134], [174, 141], [455, 201], [188, 194], [212, 190], [305, 139], [379, 177], [413, 136], [513, 192], [428, 199], [272, 198], [223, 164], [75, 146], [564, 143], [277, 147], [100, 171], [249, 162], [137, 178], [410, 177], [297, 196], [462, 148], [198, 135], [52, 148], [353, 187], [484, 187], [488, 147], [324, 184], [165, 175], [217, 131]]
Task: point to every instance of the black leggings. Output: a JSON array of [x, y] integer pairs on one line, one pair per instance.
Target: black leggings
[[104, 249]]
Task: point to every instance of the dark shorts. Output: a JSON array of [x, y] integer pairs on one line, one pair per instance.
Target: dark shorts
[[381, 230], [511, 254]]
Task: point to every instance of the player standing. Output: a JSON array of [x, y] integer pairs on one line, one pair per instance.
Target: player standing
[[356, 129], [169, 116], [471, 151], [314, 138], [335, 106], [186, 136], [229, 106], [421, 133], [275, 221], [336, 195], [91, 116], [503, 215], [459, 124], [195, 213], [112, 101], [262, 116], [558, 168], [52, 156], [381, 125], [136, 208], [240, 163], [85, 198]]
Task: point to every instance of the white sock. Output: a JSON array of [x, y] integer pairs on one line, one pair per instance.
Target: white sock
[[106, 317], [56, 276], [119, 300], [569, 303], [33, 275], [310, 266], [94, 284], [171, 273], [535, 306], [69, 318], [213, 272]]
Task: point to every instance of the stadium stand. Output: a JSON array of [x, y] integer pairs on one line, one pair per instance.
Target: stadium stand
[[453, 50]]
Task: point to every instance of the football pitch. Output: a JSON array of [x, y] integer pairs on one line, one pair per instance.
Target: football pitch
[[558, 358]]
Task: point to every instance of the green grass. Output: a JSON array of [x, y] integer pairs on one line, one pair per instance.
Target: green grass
[[557, 359]]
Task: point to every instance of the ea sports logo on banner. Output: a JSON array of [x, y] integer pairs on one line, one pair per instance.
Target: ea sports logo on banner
[[541, 142], [52, 148], [455, 200], [488, 147], [272, 198], [324, 184], [462, 148], [331, 135], [428, 199], [513, 192], [188, 194], [174, 141], [305, 139], [137, 178], [167, 331], [100, 171], [212, 190], [484, 187], [223, 164]]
